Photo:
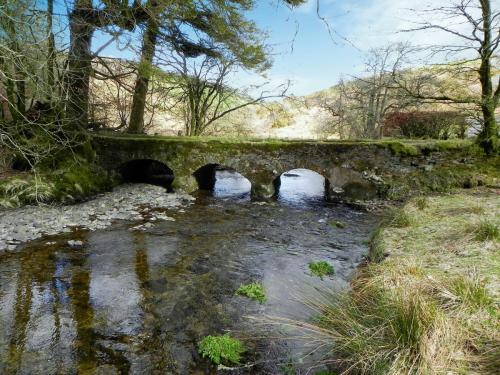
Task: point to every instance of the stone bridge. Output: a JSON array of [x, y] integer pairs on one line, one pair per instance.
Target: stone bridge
[[353, 169]]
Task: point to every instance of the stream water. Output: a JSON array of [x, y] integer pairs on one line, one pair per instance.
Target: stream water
[[138, 302]]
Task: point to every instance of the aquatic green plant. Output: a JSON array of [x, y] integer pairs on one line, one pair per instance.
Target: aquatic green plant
[[337, 224], [321, 269], [253, 291], [221, 349]]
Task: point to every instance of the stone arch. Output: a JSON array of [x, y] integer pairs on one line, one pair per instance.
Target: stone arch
[[148, 171], [317, 171], [206, 176]]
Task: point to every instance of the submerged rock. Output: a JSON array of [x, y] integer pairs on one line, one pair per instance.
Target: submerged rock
[[76, 244]]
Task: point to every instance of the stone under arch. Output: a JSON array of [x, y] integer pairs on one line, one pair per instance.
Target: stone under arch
[[148, 171]]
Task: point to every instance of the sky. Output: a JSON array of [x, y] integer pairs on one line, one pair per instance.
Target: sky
[[334, 46], [314, 56]]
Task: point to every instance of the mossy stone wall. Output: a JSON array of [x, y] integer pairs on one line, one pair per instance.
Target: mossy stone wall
[[355, 170]]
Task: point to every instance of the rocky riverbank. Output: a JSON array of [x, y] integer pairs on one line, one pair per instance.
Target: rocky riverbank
[[127, 202]]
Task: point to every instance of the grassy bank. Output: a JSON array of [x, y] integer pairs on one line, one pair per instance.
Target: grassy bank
[[71, 180], [428, 302]]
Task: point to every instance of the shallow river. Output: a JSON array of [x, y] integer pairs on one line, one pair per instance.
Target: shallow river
[[139, 301]]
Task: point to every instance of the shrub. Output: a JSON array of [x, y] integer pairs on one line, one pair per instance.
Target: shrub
[[426, 124], [279, 116], [321, 269], [221, 349], [253, 291]]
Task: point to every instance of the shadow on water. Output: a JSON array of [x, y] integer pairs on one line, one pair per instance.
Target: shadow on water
[[139, 301]]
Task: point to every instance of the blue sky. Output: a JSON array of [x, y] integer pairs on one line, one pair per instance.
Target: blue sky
[[304, 51], [319, 59]]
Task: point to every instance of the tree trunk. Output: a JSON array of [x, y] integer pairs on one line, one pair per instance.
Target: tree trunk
[[79, 64], [488, 138], [136, 125], [51, 51]]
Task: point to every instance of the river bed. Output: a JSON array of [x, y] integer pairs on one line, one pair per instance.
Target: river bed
[[138, 294]]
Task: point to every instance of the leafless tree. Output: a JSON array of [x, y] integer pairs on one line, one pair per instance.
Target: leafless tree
[[32, 124], [475, 27], [111, 93], [202, 93], [357, 108]]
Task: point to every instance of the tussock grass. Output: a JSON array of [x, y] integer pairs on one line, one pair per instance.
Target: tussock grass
[[470, 290], [15, 192], [487, 230], [421, 203], [428, 305], [402, 219]]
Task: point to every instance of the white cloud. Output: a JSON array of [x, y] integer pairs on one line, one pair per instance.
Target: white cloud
[[311, 6], [380, 22]]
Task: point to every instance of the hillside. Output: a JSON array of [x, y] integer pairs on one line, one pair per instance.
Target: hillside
[[306, 117]]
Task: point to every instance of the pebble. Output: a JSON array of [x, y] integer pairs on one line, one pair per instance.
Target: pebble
[[126, 202]]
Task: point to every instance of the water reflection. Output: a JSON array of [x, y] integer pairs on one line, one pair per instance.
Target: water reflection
[[138, 302], [301, 186], [231, 184]]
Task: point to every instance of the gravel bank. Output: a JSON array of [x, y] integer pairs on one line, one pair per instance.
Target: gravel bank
[[133, 202]]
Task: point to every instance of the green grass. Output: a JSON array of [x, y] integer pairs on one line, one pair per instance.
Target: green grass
[[487, 230], [253, 291], [221, 350], [471, 291], [429, 304], [402, 219], [321, 269], [400, 146], [421, 203]]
